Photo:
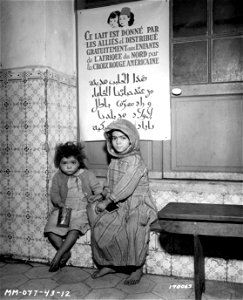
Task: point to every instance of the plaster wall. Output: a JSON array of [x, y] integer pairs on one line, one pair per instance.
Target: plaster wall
[[38, 33]]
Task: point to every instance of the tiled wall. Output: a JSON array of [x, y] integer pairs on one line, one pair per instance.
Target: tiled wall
[[39, 109]]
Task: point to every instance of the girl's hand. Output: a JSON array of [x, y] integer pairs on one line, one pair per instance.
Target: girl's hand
[[61, 204], [101, 206], [95, 198]]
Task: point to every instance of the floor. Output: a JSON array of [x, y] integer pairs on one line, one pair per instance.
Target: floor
[[27, 280]]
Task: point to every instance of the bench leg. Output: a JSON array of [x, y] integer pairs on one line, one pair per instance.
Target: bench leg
[[199, 271]]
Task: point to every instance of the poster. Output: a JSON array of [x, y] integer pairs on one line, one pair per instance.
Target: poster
[[123, 68]]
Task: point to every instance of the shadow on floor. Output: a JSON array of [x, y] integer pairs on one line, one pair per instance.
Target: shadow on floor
[[30, 280]]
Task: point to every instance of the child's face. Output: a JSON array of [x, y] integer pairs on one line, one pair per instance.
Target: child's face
[[114, 22], [69, 165], [120, 142], [123, 19]]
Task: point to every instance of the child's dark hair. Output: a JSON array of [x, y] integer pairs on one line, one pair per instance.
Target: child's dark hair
[[113, 15], [70, 149]]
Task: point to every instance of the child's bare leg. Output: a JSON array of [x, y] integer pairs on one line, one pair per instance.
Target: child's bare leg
[[64, 259], [55, 240], [102, 272], [134, 277], [64, 250]]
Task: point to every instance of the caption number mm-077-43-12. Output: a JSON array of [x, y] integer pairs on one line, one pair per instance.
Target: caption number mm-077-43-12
[[35, 293]]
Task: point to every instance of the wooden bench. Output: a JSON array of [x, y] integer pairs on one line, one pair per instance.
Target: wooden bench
[[200, 219]]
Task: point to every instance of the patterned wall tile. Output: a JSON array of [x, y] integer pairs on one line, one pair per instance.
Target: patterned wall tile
[[14, 134], [5, 245], [14, 92], [215, 269], [38, 205], [162, 198], [200, 197], [37, 181], [16, 117], [6, 219], [18, 158], [182, 266], [235, 271], [159, 262], [20, 248], [82, 256], [19, 205], [38, 249], [16, 182], [36, 225], [35, 93], [20, 226], [236, 199]]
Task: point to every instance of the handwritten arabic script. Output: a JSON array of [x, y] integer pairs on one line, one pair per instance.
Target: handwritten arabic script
[[123, 97]]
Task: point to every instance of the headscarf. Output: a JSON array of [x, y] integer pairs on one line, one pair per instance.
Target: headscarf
[[129, 130]]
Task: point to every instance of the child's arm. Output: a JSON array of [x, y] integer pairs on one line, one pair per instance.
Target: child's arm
[[55, 194], [94, 183], [106, 189], [95, 187], [126, 185], [128, 182]]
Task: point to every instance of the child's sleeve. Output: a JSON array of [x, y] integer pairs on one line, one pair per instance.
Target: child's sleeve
[[106, 189], [94, 183], [128, 182], [55, 194]]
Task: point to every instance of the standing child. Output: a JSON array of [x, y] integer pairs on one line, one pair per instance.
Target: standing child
[[71, 186], [120, 223]]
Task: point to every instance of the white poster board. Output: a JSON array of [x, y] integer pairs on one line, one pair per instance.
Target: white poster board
[[123, 68]]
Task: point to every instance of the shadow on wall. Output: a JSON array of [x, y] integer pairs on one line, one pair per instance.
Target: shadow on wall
[[221, 247]]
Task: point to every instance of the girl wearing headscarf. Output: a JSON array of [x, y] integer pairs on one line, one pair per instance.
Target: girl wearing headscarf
[[120, 222]]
